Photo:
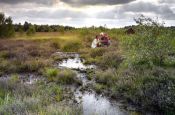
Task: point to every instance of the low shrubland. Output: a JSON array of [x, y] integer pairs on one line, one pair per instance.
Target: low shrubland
[[142, 67], [138, 67]]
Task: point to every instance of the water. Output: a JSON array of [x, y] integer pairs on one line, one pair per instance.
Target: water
[[75, 63], [92, 104]]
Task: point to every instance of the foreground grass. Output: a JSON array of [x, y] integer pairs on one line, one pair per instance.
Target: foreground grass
[[41, 99]]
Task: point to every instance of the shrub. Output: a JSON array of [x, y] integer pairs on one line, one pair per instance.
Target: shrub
[[151, 89], [110, 60], [152, 42]]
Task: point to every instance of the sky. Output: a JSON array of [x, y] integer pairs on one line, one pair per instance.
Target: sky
[[86, 13]]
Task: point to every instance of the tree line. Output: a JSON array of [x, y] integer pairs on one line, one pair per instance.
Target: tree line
[[41, 28], [8, 29]]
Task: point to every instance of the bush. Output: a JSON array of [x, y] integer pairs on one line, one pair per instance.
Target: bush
[[152, 89], [110, 60], [152, 42]]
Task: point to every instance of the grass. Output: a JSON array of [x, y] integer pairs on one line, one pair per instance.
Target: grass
[[107, 77], [65, 76], [18, 98], [148, 86]]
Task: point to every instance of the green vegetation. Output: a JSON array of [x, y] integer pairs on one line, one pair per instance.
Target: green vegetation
[[143, 70], [6, 27], [71, 46], [31, 30], [65, 76], [138, 68], [42, 99]]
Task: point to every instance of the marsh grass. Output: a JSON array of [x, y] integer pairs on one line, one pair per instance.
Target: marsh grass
[[65, 76]]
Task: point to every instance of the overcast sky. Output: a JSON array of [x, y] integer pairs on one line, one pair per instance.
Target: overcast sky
[[78, 13]]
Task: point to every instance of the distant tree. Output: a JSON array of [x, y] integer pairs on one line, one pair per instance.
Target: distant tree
[[31, 31], [20, 29], [6, 27], [26, 26]]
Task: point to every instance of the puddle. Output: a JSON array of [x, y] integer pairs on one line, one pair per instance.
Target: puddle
[[75, 63], [91, 103]]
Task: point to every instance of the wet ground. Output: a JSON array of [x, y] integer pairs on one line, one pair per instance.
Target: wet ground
[[92, 104]]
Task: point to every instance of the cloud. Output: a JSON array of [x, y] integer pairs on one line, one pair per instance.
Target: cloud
[[95, 2], [87, 12], [163, 11], [47, 14], [44, 2], [167, 1]]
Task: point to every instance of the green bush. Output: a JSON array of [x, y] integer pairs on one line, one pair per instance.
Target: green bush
[[110, 60], [152, 42], [151, 89]]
